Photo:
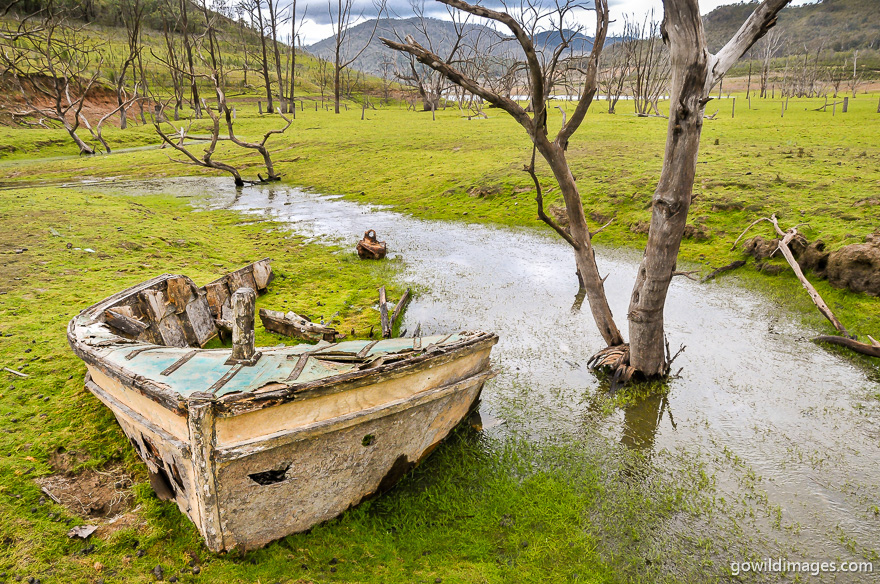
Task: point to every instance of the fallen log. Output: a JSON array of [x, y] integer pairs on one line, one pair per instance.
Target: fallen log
[[872, 350], [846, 340], [291, 324]]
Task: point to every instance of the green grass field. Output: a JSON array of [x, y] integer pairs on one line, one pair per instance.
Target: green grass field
[[482, 510]]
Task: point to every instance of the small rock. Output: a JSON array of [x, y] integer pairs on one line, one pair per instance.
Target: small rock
[[82, 531], [158, 572], [172, 579], [196, 570], [333, 569], [438, 580], [69, 245], [334, 561], [140, 553]]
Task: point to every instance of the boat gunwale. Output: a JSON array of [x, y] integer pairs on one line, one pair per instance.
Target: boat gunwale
[[243, 402], [232, 452]]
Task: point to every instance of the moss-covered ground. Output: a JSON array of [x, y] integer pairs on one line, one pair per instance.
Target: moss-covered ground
[[482, 510]]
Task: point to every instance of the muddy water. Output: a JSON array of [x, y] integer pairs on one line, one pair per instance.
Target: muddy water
[[790, 432]]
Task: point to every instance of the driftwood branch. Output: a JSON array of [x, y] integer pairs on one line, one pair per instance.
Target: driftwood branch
[[401, 304], [817, 299], [872, 350], [731, 266], [752, 224], [689, 275]]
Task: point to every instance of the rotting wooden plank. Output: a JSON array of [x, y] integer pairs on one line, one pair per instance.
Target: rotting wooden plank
[[226, 377], [179, 363], [202, 436], [363, 352], [179, 293], [401, 304], [137, 352], [216, 294], [242, 279], [243, 335], [199, 316], [156, 306], [123, 323], [262, 274], [300, 365], [293, 325], [172, 333]]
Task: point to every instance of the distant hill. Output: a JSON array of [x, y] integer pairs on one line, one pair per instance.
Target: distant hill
[[442, 34], [842, 25]]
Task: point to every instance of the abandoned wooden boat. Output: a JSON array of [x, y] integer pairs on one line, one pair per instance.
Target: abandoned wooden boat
[[254, 445]]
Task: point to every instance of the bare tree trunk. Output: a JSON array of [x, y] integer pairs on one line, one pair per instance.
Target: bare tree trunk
[[187, 43], [585, 257], [691, 82], [265, 64]]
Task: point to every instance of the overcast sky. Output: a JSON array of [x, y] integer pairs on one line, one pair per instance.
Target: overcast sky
[[317, 23]]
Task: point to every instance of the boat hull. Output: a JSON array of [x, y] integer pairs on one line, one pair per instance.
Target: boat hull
[[248, 478]]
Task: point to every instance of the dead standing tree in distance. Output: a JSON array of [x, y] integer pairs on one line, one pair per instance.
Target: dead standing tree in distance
[[694, 72], [225, 113], [341, 23]]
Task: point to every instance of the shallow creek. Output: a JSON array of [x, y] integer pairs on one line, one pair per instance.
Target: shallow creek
[[790, 432]]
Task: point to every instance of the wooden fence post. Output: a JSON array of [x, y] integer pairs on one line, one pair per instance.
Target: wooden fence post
[[260, 106], [733, 108], [845, 104]]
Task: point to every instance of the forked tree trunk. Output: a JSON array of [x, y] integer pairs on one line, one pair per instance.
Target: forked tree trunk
[[683, 32]]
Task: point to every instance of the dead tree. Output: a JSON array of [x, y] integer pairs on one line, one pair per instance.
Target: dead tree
[[343, 54], [223, 114], [184, 29], [694, 71], [132, 13], [422, 78], [648, 61], [857, 75], [55, 66], [768, 48], [275, 21], [541, 81], [614, 74]]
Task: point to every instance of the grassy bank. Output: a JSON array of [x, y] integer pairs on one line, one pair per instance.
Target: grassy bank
[[483, 510], [807, 166]]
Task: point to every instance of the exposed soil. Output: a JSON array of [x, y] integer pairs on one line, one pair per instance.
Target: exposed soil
[[89, 493], [99, 101]]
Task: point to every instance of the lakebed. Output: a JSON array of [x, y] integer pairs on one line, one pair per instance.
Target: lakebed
[[764, 445]]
